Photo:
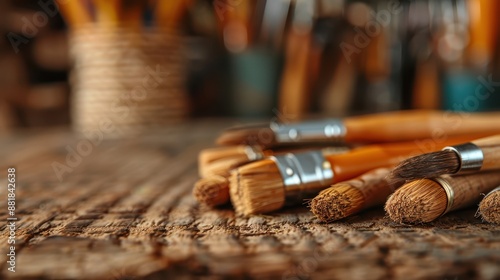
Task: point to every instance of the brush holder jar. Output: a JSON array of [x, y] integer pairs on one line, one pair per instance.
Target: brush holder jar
[[127, 81]]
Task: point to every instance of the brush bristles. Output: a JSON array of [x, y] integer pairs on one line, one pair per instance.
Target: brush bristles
[[257, 135], [419, 201], [257, 188], [429, 165], [220, 161], [212, 191], [490, 207], [337, 202]]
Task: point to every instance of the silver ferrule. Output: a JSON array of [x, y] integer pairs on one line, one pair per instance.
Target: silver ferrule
[[493, 191], [450, 194], [471, 157], [254, 153], [332, 130], [304, 174]]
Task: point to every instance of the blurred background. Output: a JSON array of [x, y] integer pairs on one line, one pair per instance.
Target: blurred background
[[145, 63]]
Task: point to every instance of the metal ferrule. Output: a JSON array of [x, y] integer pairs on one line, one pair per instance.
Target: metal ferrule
[[304, 174], [450, 194], [254, 153], [471, 157], [491, 192], [314, 131]]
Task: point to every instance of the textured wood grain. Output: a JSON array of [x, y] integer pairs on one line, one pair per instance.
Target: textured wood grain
[[126, 212]]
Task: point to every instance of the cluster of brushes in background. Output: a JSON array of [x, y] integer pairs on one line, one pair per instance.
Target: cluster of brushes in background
[[132, 13], [339, 167]]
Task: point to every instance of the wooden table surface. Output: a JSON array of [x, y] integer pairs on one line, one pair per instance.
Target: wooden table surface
[[124, 210]]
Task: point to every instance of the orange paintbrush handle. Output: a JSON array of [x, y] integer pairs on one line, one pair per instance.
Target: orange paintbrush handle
[[132, 12], [361, 160], [409, 125], [169, 13], [108, 11], [74, 13]]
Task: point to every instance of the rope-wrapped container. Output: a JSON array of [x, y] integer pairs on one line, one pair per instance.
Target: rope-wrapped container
[[131, 80]]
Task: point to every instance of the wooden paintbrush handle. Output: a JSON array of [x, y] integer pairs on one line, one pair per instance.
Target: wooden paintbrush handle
[[491, 158], [132, 12], [409, 125], [169, 13], [487, 141], [74, 13], [467, 189], [374, 186], [491, 151], [108, 12]]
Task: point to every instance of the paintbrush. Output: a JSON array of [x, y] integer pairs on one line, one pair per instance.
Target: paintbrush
[[212, 191], [75, 13], [269, 184], [425, 200], [350, 197], [221, 160], [481, 154], [294, 96], [489, 207], [384, 127], [169, 13], [217, 163], [108, 12]]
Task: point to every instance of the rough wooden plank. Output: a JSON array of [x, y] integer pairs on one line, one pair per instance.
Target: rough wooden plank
[[127, 211]]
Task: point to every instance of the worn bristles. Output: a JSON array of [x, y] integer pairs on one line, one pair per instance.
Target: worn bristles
[[220, 161], [257, 188], [429, 165], [337, 202], [212, 191], [248, 135], [416, 202], [489, 208]]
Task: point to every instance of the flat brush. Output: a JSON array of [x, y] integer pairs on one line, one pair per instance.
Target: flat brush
[[350, 197], [212, 191], [424, 200], [478, 155], [218, 162], [384, 127], [269, 184], [489, 208]]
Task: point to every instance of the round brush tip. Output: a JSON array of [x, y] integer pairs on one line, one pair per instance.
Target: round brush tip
[[489, 208], [337, 202], [212, 191], [419, 201]]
